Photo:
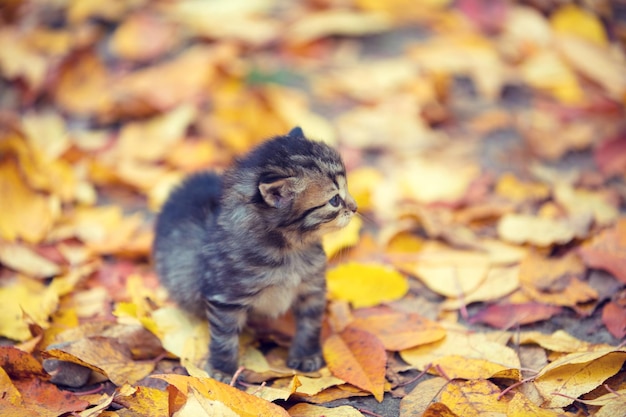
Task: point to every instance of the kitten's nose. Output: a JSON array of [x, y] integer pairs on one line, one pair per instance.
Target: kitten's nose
[[351, 205]]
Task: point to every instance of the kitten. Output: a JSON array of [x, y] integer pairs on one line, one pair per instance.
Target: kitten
[[249, 242]]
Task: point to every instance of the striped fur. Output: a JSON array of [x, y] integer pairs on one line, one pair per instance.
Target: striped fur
[[248, 242]]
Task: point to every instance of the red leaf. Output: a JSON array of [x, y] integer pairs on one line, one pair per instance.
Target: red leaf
[[608, 251], [505, 316], [47, 399], [614, 318]]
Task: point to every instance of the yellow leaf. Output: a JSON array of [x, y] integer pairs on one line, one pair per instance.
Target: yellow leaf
[[25, 213], [243, 404], [23, 259], [362, 183], [103, 355], [450, 272], [144, 401], [545, 70], [463, 354], [197, 406], [9, 392], [309, 410], [500, 281], [577, 373], [571, 19], [313, 26], [474, 398], [334, 242], [28, 296], [520, 406], [579, 203], [522, 228], [558, 341], [359, 358], [424, 393], [366, 285], [510, 187]]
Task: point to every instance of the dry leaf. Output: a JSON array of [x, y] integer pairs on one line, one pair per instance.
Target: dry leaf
[[397, 331], [608, 251], [463, 354], [522, 228], [359, 358], [572, 20], [365, 285], [520, 406], [424, 393], [308, 410], [22, 259], [508, 316], [239, 402], [474, 398]]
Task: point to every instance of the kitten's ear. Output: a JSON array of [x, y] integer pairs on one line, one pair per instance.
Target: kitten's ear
[[296, 132], [279, 193]]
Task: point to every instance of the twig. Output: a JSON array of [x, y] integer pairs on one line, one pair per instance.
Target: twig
[[517, 384], [421, 374], [368, 412], [442, 373], [237, 374]]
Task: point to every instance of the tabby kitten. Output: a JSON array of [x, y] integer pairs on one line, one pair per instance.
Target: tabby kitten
[[248, 242]]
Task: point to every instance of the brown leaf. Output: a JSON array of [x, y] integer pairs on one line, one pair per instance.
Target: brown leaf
[[357, 357]]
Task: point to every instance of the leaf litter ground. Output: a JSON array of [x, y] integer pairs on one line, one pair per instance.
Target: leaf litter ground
[[487, 156]]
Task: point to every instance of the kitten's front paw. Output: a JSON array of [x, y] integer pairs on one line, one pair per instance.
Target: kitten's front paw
[[220, 376], [308, 363]]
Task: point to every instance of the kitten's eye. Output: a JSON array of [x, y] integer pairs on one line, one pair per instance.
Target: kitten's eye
[[335, 201]]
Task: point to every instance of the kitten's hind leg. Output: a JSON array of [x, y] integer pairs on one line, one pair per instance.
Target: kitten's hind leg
[[305, 353], [225, 323]]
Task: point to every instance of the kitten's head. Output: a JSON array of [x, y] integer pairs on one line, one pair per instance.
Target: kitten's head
[[301, 186]]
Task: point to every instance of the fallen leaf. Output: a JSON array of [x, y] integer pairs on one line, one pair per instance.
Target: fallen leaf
[[577, 373], [523, 228], [474, 398], [558, 341], [241, 403], [614, 318], [22, 259], [316, 25], [450, 272], [507, 316], [607, 251], [583, 203], [397, 331], [499, 282], [467, 355], [520, 406], [420, 398], [10, 393], [359, 358], [25, 213], [438, 410], [610, 156], [573, 20], [46, 399], [365, 285], [510, 187], [145, 400], [308, 410], [105, 356]]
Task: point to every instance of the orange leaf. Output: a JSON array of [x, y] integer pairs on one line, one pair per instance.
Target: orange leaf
[[245, 405], [19, 364], [47, 399], [357, 357], [398, 331]]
